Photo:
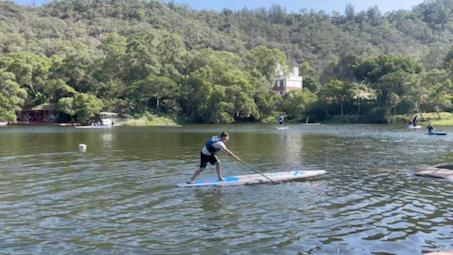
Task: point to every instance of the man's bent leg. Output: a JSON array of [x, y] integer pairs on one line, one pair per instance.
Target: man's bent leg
[[198, 172]]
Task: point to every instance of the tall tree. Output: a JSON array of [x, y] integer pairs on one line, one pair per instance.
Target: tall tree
[[296, 103], [30, 70], [386, 74], [82, 106], [162, 90], [11, 96], [263, 63]]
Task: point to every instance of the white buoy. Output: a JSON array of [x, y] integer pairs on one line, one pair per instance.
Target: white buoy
[[82, 147]]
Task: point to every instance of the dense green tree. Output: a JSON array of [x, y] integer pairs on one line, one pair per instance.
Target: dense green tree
[[31, 70], [340, 92], [78, 71], [264, 63], [428, 90], [306, 70], [336, 88], [82, 106], [386, 75], [267, 101], [296, 103], [11, 96], [344, 69], [162, 90], [114, 63], [243, 104], [142, 55], [56, 89], [195, 95], [310, 78]]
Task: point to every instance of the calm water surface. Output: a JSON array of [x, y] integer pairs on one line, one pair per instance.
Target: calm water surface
[[120, 196]]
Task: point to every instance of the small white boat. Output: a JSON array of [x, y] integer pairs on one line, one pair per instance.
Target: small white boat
[[255, 179], [311, 124], [414, 127], [3, 123], [94, 126], [108, 118], [67, 124], [168, 126], [281, 128]]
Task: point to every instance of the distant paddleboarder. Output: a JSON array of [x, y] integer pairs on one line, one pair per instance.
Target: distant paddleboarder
[[414, 121], [281, 119], [430, 128], [213, 146]]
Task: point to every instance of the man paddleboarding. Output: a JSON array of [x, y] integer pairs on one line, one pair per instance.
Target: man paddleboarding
[[208, 152], [430, 128], [281, 120]]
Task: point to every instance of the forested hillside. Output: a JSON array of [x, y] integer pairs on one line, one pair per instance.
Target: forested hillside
[[135, 56]]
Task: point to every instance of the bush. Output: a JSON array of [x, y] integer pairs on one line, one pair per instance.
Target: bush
[[406, 107], [272, 118], [318, 112], [378, 115], [149, 119]]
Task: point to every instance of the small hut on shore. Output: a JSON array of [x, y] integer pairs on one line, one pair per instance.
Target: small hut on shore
[[40, 113]]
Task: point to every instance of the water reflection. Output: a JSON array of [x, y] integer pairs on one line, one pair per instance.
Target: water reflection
[[290, 149], [211, 200], [107, 139]]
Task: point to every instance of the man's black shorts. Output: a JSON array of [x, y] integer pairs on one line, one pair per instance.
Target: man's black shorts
[[204, 159]]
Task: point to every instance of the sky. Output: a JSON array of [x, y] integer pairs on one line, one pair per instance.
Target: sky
[[290, 5]]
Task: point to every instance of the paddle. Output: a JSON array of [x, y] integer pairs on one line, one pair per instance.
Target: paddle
[[257, 171]]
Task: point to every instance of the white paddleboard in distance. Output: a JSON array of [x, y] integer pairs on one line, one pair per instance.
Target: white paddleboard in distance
[[416, 127], [311, 124], [281, 128], [94, 126], [254, 179]]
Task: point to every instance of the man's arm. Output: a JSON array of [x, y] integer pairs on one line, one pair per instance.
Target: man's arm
[[223, 148], [231, 154]]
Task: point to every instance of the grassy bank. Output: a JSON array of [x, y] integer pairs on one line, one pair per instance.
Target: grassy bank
[[442, 122], [446, 118], [150, 120]]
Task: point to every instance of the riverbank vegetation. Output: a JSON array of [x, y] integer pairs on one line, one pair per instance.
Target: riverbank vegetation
[[148, 119], [439, 119], [134, 56]]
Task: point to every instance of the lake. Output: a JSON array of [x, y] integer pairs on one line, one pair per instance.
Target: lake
[[120, 196]]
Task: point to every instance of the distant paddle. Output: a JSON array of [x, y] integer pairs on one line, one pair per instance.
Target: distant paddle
[[257, 171]]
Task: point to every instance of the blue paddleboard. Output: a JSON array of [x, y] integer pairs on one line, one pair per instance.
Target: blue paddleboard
[[255, 178]]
